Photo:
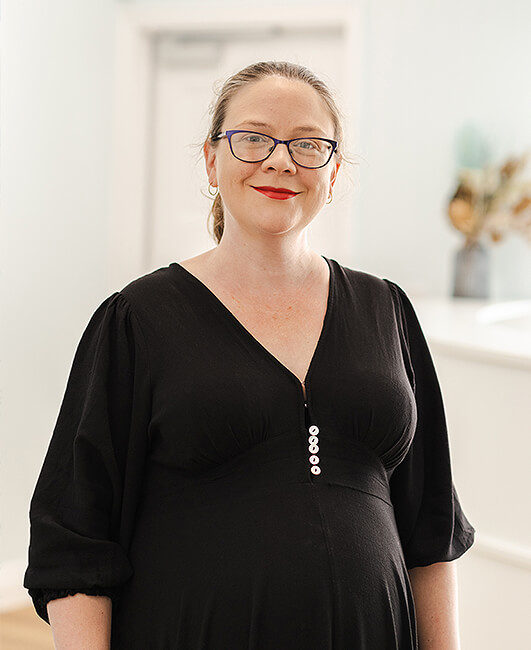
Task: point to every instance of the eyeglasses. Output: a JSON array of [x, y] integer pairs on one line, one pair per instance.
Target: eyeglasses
[[252, 147]]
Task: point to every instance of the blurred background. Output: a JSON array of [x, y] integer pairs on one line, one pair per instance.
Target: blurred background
[[104, 107]]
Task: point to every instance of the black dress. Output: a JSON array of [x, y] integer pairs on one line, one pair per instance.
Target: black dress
[[181, 479]]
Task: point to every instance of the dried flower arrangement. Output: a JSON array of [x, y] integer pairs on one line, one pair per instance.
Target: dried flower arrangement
[[492, 201]]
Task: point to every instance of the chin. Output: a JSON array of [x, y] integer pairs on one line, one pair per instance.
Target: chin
[[274, 222], [279, 226]]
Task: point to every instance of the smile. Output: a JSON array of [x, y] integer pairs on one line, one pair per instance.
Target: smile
[[279, 193]]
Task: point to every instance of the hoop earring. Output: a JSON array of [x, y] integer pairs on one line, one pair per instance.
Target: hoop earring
[[329, 199], [212, 193]]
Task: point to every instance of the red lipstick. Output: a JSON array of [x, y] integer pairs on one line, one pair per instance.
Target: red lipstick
[[279, 193]]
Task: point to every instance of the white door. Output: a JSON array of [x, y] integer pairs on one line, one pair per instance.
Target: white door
[[185, 69]]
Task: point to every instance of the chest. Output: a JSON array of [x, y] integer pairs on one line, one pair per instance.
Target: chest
[[288, 328], [219, 390]]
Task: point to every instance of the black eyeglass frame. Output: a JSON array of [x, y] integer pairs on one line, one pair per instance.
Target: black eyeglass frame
[[229, 134]]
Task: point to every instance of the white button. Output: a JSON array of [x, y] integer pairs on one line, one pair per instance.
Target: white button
[[315, 469], [313, 449], [313, 440], [314, 460], [314, 430]]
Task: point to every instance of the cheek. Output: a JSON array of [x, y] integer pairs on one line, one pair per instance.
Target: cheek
[[233, 184], [232, 173], [322, 188]]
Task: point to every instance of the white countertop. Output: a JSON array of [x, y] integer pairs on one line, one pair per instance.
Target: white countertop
[[488, 330]]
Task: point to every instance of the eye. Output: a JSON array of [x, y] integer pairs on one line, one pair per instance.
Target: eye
[[253, 138], [311, 145]]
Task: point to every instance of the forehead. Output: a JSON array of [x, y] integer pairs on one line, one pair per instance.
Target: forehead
[[280, 103]]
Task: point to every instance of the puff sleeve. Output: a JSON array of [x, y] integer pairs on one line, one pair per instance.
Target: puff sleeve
[[83, 507], [431, 523]]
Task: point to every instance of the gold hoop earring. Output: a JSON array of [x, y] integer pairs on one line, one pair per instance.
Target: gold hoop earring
[[329, 199], [212, 193]]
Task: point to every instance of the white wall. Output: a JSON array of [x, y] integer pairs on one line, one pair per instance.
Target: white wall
[[428, 67], [56, 108]]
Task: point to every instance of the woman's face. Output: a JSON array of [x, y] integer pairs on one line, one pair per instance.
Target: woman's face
[[283, 109]]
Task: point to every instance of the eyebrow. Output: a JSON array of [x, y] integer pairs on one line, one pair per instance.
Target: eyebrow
[[263, 125]]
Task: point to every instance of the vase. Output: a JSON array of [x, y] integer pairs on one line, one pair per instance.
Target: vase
[[471, 271]]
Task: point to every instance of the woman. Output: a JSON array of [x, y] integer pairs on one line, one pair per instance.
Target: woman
[[252, 449]]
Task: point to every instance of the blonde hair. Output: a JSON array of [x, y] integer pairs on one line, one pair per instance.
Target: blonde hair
[[252, 74]]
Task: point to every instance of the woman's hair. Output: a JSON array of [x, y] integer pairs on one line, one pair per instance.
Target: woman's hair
[[247, 76]]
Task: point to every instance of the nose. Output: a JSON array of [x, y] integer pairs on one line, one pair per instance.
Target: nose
[[280, 160]]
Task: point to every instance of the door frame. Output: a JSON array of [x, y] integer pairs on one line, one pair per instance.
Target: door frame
[[135, 30]]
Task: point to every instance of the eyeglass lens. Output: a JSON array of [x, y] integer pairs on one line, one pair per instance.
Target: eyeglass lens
[[254, 147]]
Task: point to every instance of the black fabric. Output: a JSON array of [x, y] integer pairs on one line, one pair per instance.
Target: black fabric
[[178, 478]]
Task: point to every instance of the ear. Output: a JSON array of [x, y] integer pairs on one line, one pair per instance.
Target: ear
[[333, 173], [209, 153]]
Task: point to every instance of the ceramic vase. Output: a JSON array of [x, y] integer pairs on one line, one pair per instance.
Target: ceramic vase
[[471, 271]]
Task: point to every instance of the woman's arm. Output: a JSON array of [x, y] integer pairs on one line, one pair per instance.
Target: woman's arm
[[81, 622], [435, 594]]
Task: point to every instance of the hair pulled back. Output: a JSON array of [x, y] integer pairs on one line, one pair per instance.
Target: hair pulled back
[[251, 74]]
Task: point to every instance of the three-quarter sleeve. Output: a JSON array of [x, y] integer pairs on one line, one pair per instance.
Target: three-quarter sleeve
[[83, 508], [430, 521]]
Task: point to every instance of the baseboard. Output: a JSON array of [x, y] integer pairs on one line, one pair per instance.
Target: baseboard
[[12, 593]]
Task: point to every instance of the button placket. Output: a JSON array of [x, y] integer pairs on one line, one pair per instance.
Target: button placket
[[313, 442], [313, 448]]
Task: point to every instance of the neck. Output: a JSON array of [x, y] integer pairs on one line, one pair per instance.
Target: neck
[[273, 260]]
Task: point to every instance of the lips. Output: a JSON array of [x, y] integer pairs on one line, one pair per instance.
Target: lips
[[279, 193]]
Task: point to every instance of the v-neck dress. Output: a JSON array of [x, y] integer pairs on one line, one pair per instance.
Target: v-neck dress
[[190, 479]]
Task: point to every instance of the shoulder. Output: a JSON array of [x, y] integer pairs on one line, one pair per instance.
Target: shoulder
[[382, 296], [166, 297], [362, 283], [151, 289], [145, 297], [157, 280]]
